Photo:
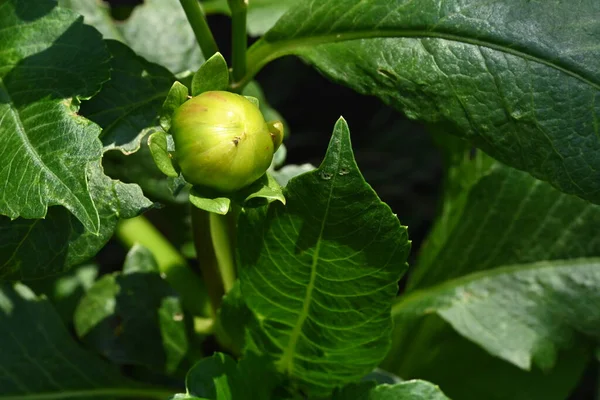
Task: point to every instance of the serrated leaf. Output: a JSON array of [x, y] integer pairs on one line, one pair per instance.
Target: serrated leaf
[[129, 103], [212, 75], [410, 390], [320, 291], [34, 343], [157, 143], [134, 317], [47, 57], [514, 77], [522, 313], [33, 249], [177, 95], [159, 31]]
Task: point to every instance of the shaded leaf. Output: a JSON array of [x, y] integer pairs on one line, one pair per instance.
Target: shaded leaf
[[134, 317], [320, 291], [212, 75], [159, 31], [95, 13], [129, 103], [48, 60], [31, 249], [516, 77], [34, 343]]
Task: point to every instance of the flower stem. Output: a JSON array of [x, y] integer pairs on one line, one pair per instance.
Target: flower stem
[[239, 10], [171, 264], [200, 27]]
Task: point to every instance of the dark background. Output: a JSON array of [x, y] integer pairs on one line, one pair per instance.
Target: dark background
[[396, 155]]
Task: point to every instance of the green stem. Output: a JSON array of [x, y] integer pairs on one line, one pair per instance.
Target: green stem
[[171, 264], [203, 34], [222, 231], [136, 393], [239, 10]]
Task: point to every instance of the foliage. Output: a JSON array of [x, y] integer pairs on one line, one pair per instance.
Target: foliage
[[288, 288]]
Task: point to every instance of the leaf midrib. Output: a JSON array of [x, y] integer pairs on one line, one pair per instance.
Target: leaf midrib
[[263, 51], [286, 362]]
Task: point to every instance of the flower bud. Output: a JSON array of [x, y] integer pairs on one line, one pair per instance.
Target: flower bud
[[222, 141]]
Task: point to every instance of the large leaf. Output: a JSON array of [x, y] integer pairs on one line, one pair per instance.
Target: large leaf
[[47, 57], [32, 249], [40, 359], [516, 77], [520, 313], [159, 31], [130, 102], [134, 317], [95, 13], [319, 273], [494, 216]]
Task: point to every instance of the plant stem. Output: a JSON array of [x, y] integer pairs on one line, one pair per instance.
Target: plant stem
[[171, 264], [239, 10], [213, 235], [203, 34]]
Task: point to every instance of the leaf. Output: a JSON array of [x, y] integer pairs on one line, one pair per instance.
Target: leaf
[[208, 201], [536, 309], [134, 317], [264, 189], [177, 95], [287, 172], [159, 31], [33, 249], [64, 291], [262, 14], [411, 390], [212, 75], [516, 78], [320, 291], [220, 378], [39, 358], [253, 89], [129, 103], [435, 346], [48, 60], [157, 142]]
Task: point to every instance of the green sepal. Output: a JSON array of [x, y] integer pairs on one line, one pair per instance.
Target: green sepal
[[212, 75], [254, 101], [177, 95], [157, 142], [265, 190]]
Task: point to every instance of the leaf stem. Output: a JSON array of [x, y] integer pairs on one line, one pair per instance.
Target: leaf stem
[[170, 262], [239, 9], [202, 31]]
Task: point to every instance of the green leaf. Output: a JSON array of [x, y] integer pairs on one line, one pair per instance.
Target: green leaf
[[177, 95], [208, 201], [220, 378], [48, 60], [320, 290], [262, 14], [157, 142], [212, 75], [287, 172], [253, 89], [39, 357], [412, 390], [129, 103], [234, 318], [159, 31], [64, 291], [266, 188], [33, 249], [134, 317], [517, 78], [537, 309]]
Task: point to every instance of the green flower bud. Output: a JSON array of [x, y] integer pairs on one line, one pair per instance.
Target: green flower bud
[[222, 141]]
